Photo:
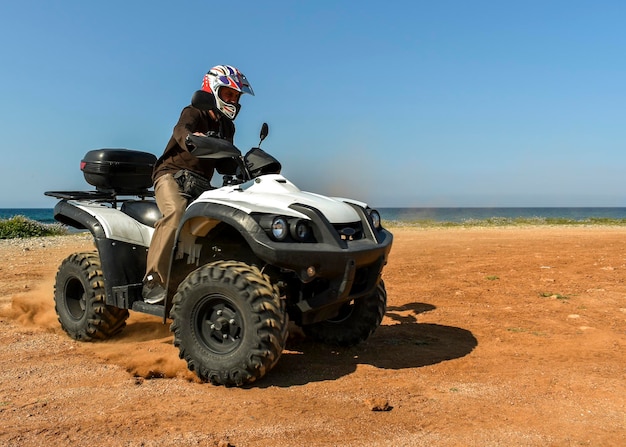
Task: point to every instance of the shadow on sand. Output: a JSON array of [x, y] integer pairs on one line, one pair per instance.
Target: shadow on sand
[[405, 344]]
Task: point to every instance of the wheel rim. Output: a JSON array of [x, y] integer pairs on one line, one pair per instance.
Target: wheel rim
[[75, 299], [219, 324]]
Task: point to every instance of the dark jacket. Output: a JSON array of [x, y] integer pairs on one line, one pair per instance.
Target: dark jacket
[[176, 155]]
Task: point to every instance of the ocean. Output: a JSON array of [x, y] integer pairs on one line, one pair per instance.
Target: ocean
[[45, 215], [465, 214]]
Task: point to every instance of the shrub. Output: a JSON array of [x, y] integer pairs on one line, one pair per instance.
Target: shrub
[[21, 226]]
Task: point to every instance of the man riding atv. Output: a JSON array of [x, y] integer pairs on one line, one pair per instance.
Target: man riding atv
[[173, 169]]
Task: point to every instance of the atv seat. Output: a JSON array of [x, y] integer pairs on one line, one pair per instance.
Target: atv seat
[[144, 211]]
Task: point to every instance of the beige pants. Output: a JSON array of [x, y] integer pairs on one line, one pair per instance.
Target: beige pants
[[172, 205]]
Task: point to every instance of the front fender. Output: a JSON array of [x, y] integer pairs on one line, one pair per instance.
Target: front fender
[[240, 220]]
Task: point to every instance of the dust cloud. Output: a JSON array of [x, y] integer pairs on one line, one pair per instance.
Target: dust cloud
[[34, 308], [144, 348]]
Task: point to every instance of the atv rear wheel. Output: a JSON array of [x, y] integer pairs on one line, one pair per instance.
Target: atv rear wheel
[[355, 322], [229, 323], [79, 299]]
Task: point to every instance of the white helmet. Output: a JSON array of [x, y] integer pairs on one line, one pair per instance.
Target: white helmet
[[226, 76]]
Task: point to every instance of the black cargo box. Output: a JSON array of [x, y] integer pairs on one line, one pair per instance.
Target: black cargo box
[[122, 171]]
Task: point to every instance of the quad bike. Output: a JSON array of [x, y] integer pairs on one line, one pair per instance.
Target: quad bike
[[249, 256]]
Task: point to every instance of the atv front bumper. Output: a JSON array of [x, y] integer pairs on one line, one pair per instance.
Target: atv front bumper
[[350, 269], [348, 273], [328, 260]]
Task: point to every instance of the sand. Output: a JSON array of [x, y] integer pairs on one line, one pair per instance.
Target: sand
[[493, 337]]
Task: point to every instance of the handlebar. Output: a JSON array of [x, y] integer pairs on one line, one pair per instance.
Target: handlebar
[[211, 147], [229, 160]]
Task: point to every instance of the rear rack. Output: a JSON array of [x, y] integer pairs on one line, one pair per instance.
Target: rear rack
[[102, 196]]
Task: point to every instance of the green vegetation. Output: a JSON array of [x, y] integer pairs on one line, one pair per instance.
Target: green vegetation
[[507, 222], [558, 296], [22, 227]]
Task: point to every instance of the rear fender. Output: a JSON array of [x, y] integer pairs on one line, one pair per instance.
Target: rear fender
[[122, 251]]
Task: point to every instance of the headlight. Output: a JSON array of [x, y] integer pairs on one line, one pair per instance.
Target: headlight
[[375, 216], [286, 229], [280, 228], [300, 230]]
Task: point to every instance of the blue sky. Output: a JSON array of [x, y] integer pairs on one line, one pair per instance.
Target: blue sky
[[396, 103]]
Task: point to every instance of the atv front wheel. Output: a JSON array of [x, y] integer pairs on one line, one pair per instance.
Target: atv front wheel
[[355, 322], [79, 300], [229, 323]]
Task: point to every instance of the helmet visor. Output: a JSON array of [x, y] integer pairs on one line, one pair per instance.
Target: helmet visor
[[245, 87], [239, 83]]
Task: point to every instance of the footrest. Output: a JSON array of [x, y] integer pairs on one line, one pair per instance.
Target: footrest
[[152, 309]]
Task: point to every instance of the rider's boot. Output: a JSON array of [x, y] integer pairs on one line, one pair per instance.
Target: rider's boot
[[153, 291]]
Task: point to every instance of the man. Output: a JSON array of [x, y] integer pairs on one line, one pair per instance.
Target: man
[[227, 84]]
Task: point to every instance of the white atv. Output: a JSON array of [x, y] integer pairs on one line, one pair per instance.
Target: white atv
[[249, 256]]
